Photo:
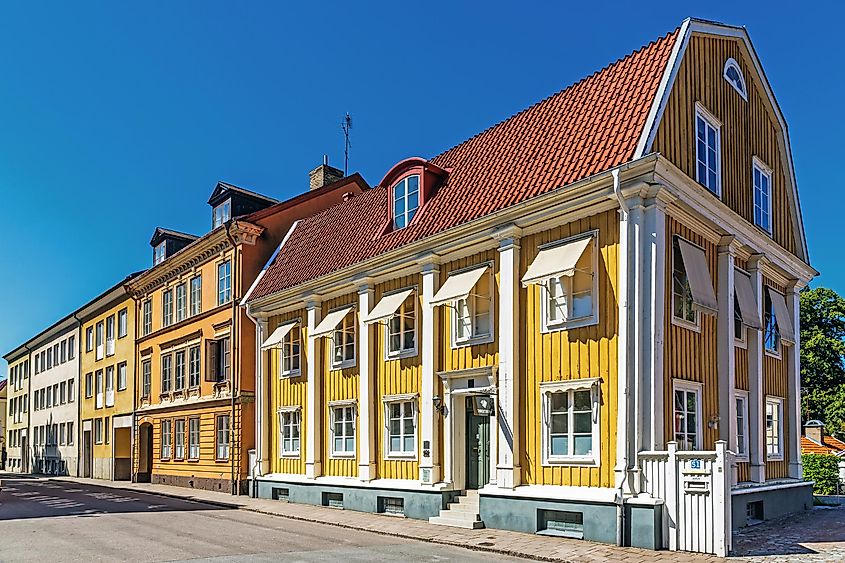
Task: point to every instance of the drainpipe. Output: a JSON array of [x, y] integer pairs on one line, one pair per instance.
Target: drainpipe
[[256, 470], [78, 428], [233, 357], [620, 493]]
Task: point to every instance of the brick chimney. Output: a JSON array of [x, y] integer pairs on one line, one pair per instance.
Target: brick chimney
[[324, 174], [814, 430]]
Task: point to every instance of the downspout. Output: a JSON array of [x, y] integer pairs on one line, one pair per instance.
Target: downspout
[[620, 492], [258, 389], [79, 402], [134, 439], [234, 360]]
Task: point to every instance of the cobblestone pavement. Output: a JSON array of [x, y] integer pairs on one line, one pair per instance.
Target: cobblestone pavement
[[814, 536]]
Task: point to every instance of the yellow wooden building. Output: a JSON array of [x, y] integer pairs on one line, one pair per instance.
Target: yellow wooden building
[[107, 384], [582, 321]]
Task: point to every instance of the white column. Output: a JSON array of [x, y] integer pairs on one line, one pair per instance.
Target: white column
[[508, 470], [263, 416], [756, 413], [313, 407], [430, 462], [653, 309], [793, 407], [367, 418], [726, 353]]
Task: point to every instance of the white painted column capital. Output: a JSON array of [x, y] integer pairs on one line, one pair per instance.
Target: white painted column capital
[[508, 473], [314, 407], [367, 416], [429, 468]]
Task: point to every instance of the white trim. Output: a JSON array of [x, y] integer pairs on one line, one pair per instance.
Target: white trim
[[697, 388], [333, 408], [387, 401], [343, 403], [779, 401], [289, 408], [385, 329], [766, 171], [731, 63], [401, 397], [675, 320], [579, 322], [571, 386], [739, 394], [711, 120], [457, 343], [267, 265]]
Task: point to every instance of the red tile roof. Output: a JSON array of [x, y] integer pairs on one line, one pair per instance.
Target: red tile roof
[[590, 127], [831, 445]]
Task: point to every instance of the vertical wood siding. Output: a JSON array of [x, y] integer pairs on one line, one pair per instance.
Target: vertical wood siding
[[688, 354], [562, 355], [394, 377], [287, 391], [748, 129], [207, 466]]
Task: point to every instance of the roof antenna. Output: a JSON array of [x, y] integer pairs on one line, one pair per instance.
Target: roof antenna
[[346, 125]]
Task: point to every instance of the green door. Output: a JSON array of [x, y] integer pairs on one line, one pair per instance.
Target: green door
[[477, 447]]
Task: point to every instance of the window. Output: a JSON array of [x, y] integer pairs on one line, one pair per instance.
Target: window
[[98, 378], [179, 380], [221, 213], [771, 335], [224, 282], [167, 307], [49, 396], [733, 75], [194, 367], [707, 151], [406, 201], [570, 425], [110, 336], [89, 385], [343, 342], [110, 386], [56, 356], [392, 505], [181, 302], [179, 439], [401, 428], [343, 430], [63, 351], [98, 430], [196, 295], [122, 322], [472, 317], [89, 338], [568, 301], [683, 308], [687, 415], [739, 326], [49, 358], [762, 179], [166, 372], [221, 437], [146, 378], [63, 392], [159, 253], [44, 360], [289, 424], [71, 391], [121, 376], [561, 523], [37, 363], [290, 352], [100, 349], [148, 317], [62, 438], [193, 438], [106, 427], [774, 428], [71, 347], [402, 329], [741, 425], [166, 439], [217, 358]]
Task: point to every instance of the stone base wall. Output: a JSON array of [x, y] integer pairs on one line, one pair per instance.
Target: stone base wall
[[190, 482], [774, 501]]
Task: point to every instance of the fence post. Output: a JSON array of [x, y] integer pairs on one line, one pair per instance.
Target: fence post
[[672, 495], [721, 500]]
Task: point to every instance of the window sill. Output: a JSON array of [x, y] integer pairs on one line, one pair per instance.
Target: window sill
[[164, 459], [290, 455], [194, 460], [569, 325], [741, 344], [344, 365], [476, 341], [398, 456], [773, 354], [342, 455], [778, 457], [574, 461], [742, 459], [221, 461], [400, 355], [689, 325], [290, 374]]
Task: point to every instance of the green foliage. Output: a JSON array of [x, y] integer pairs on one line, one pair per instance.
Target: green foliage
[[824, 470], [822, 353]]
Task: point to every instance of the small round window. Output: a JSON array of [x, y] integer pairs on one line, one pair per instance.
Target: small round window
[[733, 75]]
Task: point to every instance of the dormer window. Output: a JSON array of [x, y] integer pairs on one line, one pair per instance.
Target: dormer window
[[733, 75], [160, 253], [406, 201], [222, 213]]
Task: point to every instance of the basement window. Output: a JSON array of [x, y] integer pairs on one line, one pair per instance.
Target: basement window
[[561, 523], [281, 493], [333, 500], [754, 513], [394, 506]]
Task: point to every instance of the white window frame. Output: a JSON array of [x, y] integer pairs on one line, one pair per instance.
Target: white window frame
[[122, 323], [470, 305], [167, 307], [147, 317], [99, 340], [224, 292], [402, 352], [176, 371], [194, 366], [166, 439], [221, 213], [160, 253], [195, 294], [569, 387], [388, 401], [741, 336], [286, 354], [689, 387], [676, 320], [194, 441], [565, 283], [348, 324], [121, 376], [294, 413], [777, 351], [731, 63], [98, 430], [407, 214], [716, 125], [177, 422], [222, 445], [777, 403], [343, 407], [109, 375], [110, 335], [765, 172], [181, 300], [742, 427]]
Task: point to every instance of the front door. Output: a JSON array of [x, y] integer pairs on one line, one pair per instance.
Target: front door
[[477, 445], [87, 454]]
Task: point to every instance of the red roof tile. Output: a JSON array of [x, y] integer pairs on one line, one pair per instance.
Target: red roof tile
[[831, 446], [591, 126]]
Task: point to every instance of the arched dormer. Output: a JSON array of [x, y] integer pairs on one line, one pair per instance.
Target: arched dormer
[[733, 74], [410, 184]]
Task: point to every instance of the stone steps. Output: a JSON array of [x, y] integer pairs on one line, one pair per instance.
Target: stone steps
[[461, 514]]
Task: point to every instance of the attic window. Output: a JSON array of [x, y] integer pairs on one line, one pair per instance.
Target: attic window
[[406, 200], [159, 253], [733, 75], [222, 213]]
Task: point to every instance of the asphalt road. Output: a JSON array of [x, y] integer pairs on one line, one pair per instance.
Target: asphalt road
[[43, 520]]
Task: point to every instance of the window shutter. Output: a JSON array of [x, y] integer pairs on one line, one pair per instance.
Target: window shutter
[[211, 349]]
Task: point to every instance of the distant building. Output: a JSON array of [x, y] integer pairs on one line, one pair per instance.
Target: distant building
[[815, 441], [17, 410]]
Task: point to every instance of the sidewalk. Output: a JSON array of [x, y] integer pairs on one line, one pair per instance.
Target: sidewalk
[[503, 542]]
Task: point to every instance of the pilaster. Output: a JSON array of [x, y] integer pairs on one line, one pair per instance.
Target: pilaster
[[430, 461], [756, 412], [726, 353], [366, 386], [793, 407], [313, 408]]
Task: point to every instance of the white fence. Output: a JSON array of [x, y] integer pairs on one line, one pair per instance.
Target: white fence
[[695, 487]]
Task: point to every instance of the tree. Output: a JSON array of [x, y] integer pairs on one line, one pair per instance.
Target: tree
[[822, 353]]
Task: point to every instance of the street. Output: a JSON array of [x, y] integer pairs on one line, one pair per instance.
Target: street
[[45, 520]]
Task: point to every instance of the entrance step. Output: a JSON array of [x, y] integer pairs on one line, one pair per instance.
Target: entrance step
[[461, 514]]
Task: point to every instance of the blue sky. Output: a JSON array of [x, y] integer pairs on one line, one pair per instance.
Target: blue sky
[[116, 119]]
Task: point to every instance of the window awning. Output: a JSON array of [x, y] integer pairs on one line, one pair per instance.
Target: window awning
[[782, 317], [554, 261], [387, 307], [701, 285], [459, 286], [278, 335], [330, 322], [747, 302]]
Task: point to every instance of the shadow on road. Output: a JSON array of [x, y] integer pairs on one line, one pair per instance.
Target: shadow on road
[[805, 533]]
